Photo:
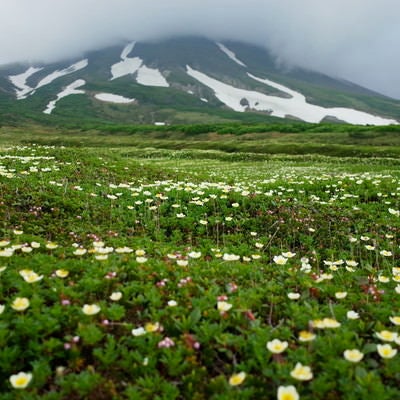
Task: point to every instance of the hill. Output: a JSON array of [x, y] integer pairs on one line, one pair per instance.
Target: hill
[[183, 80]]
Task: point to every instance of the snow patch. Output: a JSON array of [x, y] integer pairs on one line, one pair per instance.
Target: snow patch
[[203, 99], [59, 73], [127, 49], [126, 66], [70, 89], [295, 106], [348, 115], [280, 87], [151, 77], [19, 81], [113, 98], [23, 90], [130, 65], [230, 54]]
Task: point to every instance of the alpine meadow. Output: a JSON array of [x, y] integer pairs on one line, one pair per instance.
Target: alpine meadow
[[190, 219]]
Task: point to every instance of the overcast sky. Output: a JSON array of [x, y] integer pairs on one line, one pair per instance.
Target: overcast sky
[[357, 40]]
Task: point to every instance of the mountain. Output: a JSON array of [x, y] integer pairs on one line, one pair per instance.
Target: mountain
[[183, 80]]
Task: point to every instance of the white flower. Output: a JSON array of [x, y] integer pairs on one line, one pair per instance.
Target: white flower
[[277, 346], [293, 296], [386, 350], [353, 355], [138, 331], [386, 335], [305, 336], [230, 257], [223, 306], [7, 252], [352, 315], [287, 393], [115, 296], [280, 260], [123, 250], [91, 309], [194, 254], [62, 273], [152, 327], [20, 380], [237, 379], [351, 263], [30, 276], [80, 252], [325, 323], [288, 254], [396, 270], [20, 304], [393, 320], [302, 372], [331, 323]]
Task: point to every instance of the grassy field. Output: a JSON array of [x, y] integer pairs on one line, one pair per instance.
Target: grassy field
[[133, 270], [257, 141]]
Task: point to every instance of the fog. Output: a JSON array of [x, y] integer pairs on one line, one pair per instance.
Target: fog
[[356, 40]]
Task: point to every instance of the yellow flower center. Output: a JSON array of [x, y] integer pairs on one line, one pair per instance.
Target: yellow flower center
[[287, 396], [237, 379], [21, 381]]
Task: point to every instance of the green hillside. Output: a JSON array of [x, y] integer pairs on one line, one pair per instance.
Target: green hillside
[[186, 100]]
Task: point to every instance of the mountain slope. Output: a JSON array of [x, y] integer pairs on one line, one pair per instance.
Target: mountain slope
[[183, 80]]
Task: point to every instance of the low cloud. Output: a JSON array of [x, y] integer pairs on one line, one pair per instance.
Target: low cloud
[[355, 40]]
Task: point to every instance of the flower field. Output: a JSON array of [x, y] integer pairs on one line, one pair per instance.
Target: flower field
[[136, 275]]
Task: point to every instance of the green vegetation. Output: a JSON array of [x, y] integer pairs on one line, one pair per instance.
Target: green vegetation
[[133, 270], [181, 102], [261, 140]]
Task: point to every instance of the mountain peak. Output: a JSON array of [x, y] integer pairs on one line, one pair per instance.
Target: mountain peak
[[193, 77]]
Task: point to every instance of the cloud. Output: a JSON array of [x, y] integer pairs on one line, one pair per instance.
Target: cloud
[[355, 40]]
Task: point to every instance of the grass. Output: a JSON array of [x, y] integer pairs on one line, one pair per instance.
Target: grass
[[296, 139], [157, 273]]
